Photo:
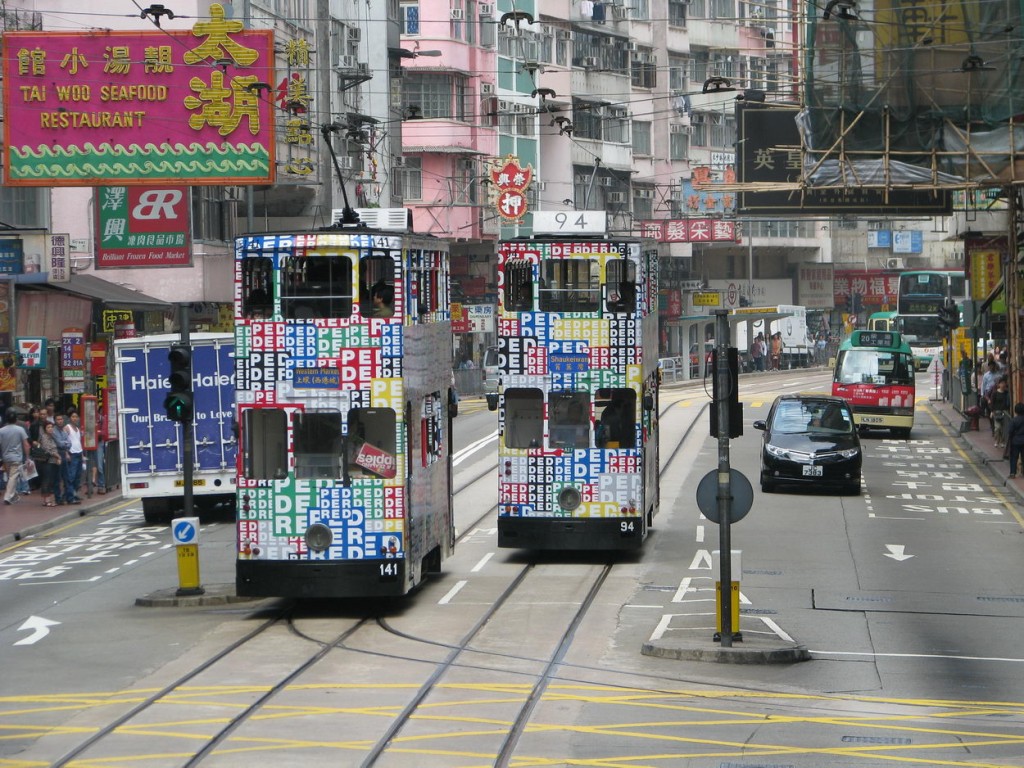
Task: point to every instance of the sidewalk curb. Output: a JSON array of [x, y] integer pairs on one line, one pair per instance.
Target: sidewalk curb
[[61, 518]]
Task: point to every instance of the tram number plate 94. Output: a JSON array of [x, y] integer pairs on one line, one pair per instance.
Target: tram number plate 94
[[812, 471]]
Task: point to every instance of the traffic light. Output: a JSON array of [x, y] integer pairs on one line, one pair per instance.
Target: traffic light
[[732, 396], [949, 317], [178, 403]]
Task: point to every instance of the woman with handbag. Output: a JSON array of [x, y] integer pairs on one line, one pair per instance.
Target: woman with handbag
[[48, 467]]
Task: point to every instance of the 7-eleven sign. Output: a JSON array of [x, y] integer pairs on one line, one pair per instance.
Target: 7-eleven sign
[[31, 352]]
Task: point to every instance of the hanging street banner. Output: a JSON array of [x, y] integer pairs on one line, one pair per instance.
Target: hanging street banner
[[142, 227], [107, 107]]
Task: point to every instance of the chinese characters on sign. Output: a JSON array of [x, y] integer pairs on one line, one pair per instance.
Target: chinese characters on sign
[[59, 252], [876, 288], [142, 227], [689, 230], [511, 179], [138, 107], [293, 97]]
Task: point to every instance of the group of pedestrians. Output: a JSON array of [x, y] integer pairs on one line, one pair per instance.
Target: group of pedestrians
[[768, 352], [1005, 417], [50, 443]]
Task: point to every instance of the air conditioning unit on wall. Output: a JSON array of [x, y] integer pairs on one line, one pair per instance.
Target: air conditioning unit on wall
[[894, 263]]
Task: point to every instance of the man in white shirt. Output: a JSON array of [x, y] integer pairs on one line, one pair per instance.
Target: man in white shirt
[[73, 473]]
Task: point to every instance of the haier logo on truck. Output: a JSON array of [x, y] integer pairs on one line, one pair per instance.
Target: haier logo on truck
[[198, 380]]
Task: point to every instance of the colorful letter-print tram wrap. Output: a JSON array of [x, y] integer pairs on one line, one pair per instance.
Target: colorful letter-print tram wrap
[[578, 360], [343, 371]]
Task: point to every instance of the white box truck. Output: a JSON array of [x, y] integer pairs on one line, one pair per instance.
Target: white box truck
[[151, 444]]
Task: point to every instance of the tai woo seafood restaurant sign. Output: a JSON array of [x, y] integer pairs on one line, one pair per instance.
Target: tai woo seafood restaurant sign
[[97, 108]]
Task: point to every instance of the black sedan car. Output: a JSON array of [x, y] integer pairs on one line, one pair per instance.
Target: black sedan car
[[810, 440]]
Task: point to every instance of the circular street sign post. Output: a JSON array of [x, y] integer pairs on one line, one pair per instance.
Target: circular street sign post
[[742, 498]]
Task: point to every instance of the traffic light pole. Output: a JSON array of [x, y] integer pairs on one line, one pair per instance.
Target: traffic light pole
[[724, 481], [188, 445]]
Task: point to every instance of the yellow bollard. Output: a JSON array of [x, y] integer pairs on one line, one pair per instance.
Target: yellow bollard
[[734, 605], [185, 534]]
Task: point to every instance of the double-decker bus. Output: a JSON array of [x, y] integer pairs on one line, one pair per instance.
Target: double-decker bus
[[921, 294], [874, 373], [343, 376], [578, 387]]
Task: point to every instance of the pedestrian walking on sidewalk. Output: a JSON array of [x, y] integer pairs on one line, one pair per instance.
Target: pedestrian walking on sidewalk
[[999, 403], [14, 450], [1015, 437]]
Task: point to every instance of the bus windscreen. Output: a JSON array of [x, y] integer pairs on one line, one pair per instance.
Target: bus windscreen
[[872, 366]]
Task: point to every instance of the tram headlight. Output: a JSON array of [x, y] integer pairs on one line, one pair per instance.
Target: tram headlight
[[318, 537], [569, 498]]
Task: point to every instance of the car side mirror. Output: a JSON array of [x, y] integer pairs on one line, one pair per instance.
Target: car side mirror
[[759, 424]]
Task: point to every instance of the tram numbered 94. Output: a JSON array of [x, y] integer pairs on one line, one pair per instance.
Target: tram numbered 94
[[578, 392], [343, 378]]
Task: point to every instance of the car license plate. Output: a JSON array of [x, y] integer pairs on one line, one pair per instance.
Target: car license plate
[[812, 471], [871, 419]]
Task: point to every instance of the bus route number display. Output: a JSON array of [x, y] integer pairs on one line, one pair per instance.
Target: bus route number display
[[876, 339]]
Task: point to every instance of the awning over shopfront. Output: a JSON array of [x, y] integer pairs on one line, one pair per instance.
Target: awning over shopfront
[[46, 309], [111, 294]]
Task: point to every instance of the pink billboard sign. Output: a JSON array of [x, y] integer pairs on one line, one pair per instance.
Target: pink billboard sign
[[98, 108]]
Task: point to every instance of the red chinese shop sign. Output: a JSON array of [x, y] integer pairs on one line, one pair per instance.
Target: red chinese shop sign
[[511, 179], [689, 230], [876, 288], [96, 108]]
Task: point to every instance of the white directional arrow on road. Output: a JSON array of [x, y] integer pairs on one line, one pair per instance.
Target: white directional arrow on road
[[896, 552], [40, 628]]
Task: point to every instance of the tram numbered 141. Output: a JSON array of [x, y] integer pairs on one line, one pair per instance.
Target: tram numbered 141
[[578, 387], [343, 378]]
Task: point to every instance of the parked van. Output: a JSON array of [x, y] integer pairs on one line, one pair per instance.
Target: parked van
[[490, 374]]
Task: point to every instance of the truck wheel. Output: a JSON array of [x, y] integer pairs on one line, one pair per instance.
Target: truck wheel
[[156, 511]]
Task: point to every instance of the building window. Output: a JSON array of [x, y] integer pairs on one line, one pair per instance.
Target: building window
[[641, 138], [410, 179], [409, 17], [643, 69], [679, 146], [435, 95], [24, 206], [641, 10], [723, 9], [643, 203], [600, 122], [677, 10], [488, 32], [210, 213]]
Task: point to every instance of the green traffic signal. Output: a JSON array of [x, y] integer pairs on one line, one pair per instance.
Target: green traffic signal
[[178, 403]]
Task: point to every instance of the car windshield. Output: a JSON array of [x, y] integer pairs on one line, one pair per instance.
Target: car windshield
[[814, 417]]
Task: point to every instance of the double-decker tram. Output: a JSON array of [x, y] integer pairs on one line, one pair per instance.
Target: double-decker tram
[[343, 375], [578, 386], [874, 373]]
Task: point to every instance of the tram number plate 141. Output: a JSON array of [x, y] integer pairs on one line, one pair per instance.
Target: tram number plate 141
[[810, 471]]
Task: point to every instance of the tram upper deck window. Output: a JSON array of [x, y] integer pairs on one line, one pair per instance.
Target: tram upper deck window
[[316, 286], [569, 420], [372, 442], [570, 285], [518, 285], [258, 287], [377, 285], [620, 286], [316, 441], [524, 418], [615, 411], [264, 444]]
